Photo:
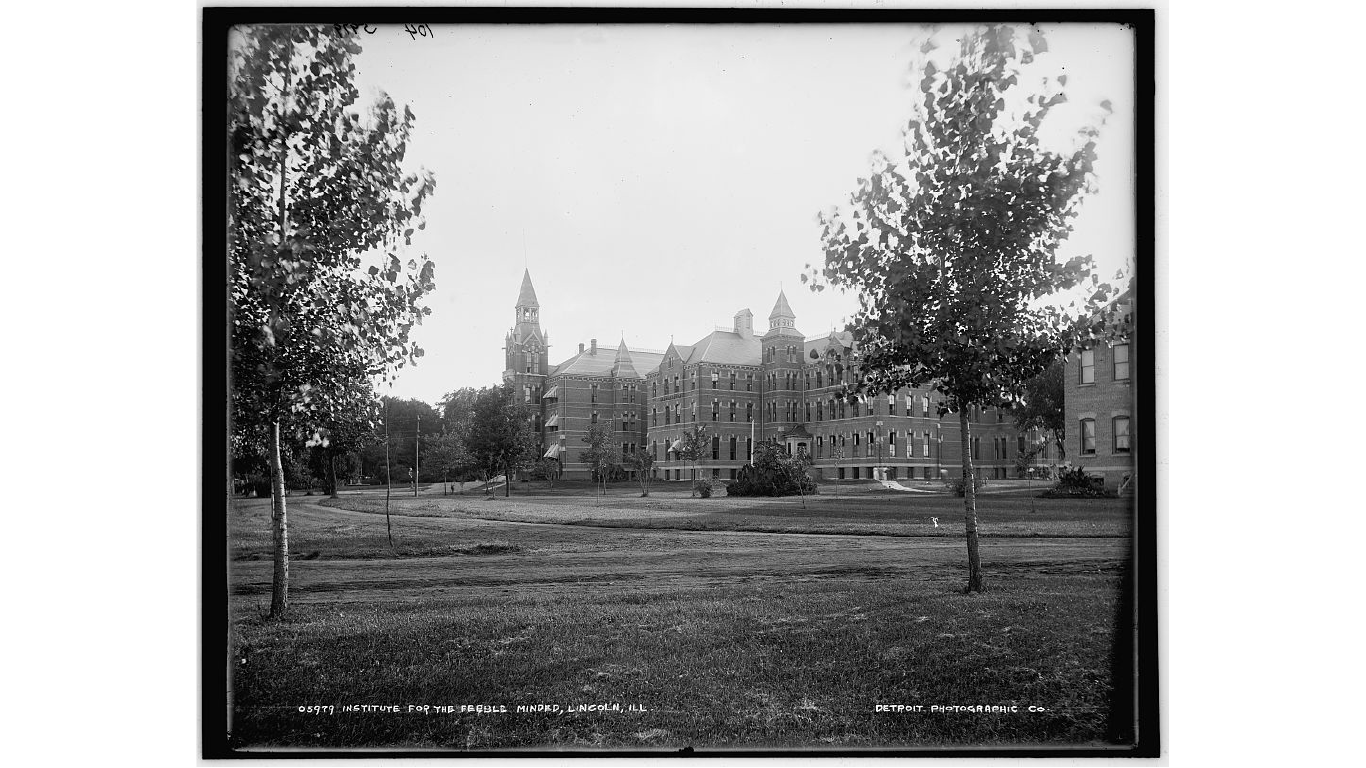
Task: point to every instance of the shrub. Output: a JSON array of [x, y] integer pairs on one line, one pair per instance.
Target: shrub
[[958, 487], [773, 473], [1073, 482], [703, 488]]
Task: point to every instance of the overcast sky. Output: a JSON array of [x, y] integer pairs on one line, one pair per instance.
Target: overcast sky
[[658, 179]]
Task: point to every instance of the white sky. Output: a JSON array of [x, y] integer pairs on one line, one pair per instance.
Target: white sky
[[664, 177]]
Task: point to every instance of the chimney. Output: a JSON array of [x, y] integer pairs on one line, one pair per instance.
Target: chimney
[[593, 350], [744, 323], [580, 347]]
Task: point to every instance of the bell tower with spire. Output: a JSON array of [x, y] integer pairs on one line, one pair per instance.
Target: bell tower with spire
[[527, 347], [782, 366]]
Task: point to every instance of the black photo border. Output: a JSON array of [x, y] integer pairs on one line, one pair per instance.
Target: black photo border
[[215, 667]]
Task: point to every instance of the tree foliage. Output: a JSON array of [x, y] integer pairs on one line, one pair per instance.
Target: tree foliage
[[316, 189], [601, 455], [500, 435], [642, 462], [952, 248], [695, 444], [446, 454], [1043, 406], [773, 473]]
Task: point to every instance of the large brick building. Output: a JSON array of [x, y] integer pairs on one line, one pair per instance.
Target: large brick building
[[1099, 398], [744, 388]]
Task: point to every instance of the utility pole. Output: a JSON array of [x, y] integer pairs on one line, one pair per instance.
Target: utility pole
[[417, 456], [388, 477]]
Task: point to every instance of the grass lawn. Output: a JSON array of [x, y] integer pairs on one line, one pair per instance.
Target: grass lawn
[[719, 634]]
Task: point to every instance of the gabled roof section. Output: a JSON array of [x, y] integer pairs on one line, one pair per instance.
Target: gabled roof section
[[842, 339], [683, 351], [527, 297], [533, 335]]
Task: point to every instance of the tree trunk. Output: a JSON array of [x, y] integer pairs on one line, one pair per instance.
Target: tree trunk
[[507, 480], [279, 529], [332, 476], [970, 506]]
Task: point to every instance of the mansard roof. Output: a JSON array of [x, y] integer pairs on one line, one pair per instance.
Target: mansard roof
[[726, 348]]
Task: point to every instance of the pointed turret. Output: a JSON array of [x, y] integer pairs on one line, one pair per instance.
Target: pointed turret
[[527, 296], [781, 309], [782, 320], [528, 309], [622, 367]]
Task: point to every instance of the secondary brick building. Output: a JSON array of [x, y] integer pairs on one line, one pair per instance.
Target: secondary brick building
[[1098, 392], [744, 388]]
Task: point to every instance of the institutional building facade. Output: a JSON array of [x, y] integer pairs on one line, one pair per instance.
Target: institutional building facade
[[1098, 405], [744, 387]]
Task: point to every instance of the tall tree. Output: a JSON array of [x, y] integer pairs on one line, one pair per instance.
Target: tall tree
[[457, 406], [411, 422], [952, 248], [642, 462], [347, 429], [500, 434], [1044, 408], [446, 453], [316, 190], [602, 455], [696, 443]]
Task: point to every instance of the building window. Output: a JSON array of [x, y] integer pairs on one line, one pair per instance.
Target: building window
[[820, 445], [1088, 366], [1121, 355], [715, 447], [749, 412], [1088, 437], [732, 447], [856, 471], [595, 417], [1121, 432]]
